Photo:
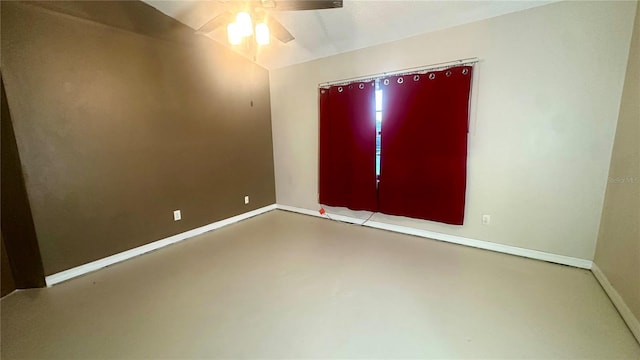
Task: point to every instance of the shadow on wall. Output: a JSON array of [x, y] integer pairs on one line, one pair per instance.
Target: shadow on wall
[[7, 284], [21, 264]]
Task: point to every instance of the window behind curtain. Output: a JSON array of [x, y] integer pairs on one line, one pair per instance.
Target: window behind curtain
[[412, 132]]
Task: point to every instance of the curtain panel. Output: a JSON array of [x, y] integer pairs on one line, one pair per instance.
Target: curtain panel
[[347, 175], [424, 145]]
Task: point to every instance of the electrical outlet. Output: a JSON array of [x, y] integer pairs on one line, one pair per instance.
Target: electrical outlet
[[177, 215], [246, 199], [486, 219]]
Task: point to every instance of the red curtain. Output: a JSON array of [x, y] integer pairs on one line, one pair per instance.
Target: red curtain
[[423, 168], [348, 146]]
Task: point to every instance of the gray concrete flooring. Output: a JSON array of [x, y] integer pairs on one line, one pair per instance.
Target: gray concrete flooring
[[284, 285]]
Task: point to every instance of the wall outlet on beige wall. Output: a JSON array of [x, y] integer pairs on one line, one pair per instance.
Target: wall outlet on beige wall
[[177, 215], [246, 199]]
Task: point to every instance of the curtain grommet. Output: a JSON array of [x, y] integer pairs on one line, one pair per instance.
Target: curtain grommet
[[416, 77], [465, 71], [448, 73], [340, 89], [432, 76], [400, 80], [386, 81], [361, 86]]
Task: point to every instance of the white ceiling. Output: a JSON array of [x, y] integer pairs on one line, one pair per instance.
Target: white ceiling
[[359, 24]]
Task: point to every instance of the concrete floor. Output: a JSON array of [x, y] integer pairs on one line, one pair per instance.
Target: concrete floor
[[284, 285]]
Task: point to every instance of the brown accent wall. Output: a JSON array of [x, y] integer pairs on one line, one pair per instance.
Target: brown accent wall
[[618, 247], [117, 128]]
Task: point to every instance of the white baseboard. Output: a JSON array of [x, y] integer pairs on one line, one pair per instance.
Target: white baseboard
[[487, 245], [110, 260], [618, 302]]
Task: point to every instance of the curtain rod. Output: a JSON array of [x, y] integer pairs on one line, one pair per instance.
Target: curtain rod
[[437, 66]]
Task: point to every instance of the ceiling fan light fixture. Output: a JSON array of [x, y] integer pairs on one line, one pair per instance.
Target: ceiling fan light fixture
[[233, 34], [262, 34], [245, 24]]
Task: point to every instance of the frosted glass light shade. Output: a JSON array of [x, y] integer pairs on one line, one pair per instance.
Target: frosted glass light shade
[[262, 34], [245, 24], [233, 34]]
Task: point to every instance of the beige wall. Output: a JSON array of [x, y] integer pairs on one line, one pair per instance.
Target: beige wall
[[618, 250], [546, 102]]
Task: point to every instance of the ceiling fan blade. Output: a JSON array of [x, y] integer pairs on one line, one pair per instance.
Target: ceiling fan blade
[[278, 30], [218, 21], [293, 5]]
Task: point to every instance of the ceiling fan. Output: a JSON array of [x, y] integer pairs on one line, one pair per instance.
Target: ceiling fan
[[241, 17]]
